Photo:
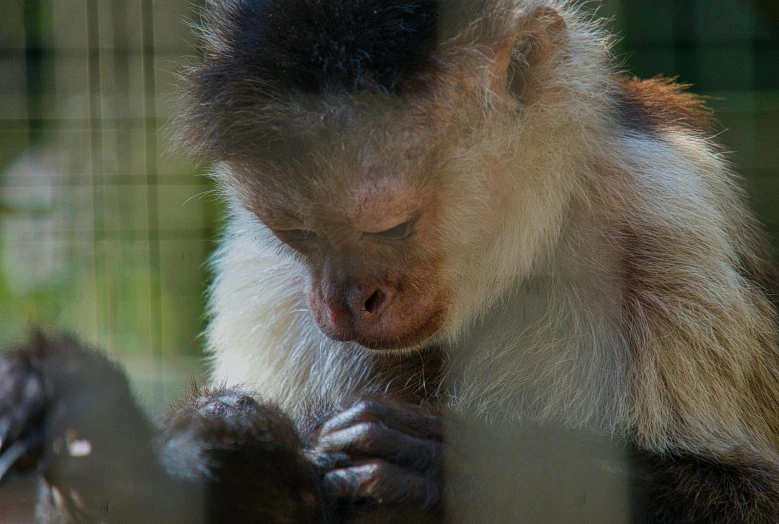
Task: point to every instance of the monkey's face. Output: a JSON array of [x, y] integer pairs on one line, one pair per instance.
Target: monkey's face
[[363, 216], [372, 276], [387, 207]]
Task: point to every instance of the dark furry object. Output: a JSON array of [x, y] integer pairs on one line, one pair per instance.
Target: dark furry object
[[312, 46], [218, 456], [262, 57]]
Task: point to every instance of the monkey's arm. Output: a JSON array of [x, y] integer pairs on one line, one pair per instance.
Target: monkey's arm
[[221, 456], [686, 489], [73, 412], [246, 455]]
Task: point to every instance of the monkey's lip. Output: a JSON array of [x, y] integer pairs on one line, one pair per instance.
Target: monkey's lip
[[410, 339]]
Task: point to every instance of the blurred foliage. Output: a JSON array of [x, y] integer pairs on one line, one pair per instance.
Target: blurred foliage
[[103, 230]]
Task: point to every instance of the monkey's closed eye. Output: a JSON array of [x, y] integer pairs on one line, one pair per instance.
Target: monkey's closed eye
[[296, 236], [398, 232]]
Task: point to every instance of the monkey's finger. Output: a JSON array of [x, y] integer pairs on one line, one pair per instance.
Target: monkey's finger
[[9, 458], [327, 461], [12, 425], [405, 420], [372, 439], [384, 483], [20, 453], [21, 399]]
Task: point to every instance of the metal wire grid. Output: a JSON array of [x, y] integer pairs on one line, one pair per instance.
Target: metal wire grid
[[729, 52], [101, 230], [93, 233]]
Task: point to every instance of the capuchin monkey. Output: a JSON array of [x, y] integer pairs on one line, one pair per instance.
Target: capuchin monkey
[[472, 273]]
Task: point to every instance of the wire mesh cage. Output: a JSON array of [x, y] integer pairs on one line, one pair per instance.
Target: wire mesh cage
[[104, 231]]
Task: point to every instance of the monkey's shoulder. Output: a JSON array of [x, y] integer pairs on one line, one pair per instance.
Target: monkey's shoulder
[[660, 103]]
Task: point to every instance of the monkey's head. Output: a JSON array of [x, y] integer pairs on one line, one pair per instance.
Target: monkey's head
[[368, 149], [360, 216]]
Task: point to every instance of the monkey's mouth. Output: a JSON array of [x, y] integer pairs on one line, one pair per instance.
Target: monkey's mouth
[[408, 339]]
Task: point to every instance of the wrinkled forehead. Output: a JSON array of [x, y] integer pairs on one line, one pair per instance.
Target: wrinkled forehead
[[344, 154]]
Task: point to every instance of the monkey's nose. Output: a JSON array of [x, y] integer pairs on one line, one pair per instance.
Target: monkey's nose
[[339, 315], [361, 308]]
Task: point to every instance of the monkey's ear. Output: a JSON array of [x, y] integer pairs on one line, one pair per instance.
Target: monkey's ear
[[537, 37]]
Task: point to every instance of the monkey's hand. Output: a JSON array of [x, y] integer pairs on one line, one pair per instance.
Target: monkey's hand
[[384, 458], [22, 402], [70, 411], [104, 461], [246, 454], [58, 401]]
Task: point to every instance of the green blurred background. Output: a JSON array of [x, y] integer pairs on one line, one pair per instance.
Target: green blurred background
[[105, 232]]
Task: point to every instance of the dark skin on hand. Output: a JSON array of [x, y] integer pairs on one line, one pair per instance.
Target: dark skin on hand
[[72, 414]]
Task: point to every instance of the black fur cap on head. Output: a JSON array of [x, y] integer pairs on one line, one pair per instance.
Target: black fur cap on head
[[262, 57], [311, 46]]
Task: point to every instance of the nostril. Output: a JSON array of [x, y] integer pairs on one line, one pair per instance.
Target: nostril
[[374, 302]]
